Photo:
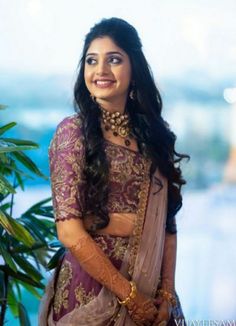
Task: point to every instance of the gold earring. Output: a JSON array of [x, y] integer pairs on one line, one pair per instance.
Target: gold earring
[[132, 93]]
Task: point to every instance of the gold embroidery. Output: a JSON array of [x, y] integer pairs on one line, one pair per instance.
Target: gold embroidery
[[119, 249], [102, 243], [66, 166], [82, 297], [127, 172], [62, 294], [135, 239], [67, 160], [127, 162], [115, 249]]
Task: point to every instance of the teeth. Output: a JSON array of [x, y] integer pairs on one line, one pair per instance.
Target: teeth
[[103, 82]]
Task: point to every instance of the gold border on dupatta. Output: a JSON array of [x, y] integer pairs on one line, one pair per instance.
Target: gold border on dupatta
[[140, 218]]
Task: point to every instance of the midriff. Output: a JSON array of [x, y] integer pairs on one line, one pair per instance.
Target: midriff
[[121, 224]]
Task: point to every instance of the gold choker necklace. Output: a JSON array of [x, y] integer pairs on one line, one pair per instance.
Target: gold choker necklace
[[118, 123]]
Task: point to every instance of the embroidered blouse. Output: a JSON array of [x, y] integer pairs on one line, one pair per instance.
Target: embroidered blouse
[[68, 182]]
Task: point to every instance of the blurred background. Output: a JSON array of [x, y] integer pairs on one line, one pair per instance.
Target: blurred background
[[191, 47]]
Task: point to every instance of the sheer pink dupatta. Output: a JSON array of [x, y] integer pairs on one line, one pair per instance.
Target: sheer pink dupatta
[[147, 261], [142, 262]]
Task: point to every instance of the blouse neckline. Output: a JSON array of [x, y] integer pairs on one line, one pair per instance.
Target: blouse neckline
[[129, 149]]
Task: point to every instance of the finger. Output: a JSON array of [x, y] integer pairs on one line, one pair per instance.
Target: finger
[[151, 314], [158, 320], [160, 323], [163, 323]]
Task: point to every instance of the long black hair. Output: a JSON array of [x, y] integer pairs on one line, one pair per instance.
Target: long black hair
[[152, 132]]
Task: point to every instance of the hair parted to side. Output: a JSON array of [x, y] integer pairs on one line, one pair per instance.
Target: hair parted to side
[[154, 137]]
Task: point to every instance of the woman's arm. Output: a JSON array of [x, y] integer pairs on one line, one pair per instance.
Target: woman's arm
[[169, 263], [167, 277], [91, 257]]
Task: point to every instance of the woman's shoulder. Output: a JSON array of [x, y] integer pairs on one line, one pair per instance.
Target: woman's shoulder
[[71, 123], [68, 133]]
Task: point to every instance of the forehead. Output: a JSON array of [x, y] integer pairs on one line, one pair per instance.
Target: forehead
[[102, 45]]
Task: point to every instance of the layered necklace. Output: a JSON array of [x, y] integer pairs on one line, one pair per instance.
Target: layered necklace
[[118, 123]]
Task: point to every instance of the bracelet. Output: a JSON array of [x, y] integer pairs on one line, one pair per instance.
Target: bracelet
[[131, 296], [168, 296]]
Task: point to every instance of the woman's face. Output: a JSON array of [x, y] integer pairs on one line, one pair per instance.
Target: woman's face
[[107, 71]]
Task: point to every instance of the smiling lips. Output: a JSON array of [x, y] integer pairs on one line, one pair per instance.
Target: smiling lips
[[103, 83]]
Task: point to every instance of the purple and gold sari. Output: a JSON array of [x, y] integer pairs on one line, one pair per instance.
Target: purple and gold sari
[[72, 296], [138, 257]]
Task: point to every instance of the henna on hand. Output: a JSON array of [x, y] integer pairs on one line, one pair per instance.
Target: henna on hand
[[97, 264], [142, 310], [164, 313]]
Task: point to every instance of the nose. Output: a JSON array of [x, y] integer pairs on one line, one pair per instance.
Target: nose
[[102, 68]]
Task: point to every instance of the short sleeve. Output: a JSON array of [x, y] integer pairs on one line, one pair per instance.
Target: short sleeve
[[67, 159]]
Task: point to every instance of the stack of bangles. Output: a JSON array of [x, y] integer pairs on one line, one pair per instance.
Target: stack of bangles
[[131, 296], [168, 296], [165, 295]]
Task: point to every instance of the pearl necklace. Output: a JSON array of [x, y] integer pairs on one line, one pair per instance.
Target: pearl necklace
[[118, 123]]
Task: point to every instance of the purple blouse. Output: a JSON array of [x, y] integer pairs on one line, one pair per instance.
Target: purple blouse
[[68, 182]]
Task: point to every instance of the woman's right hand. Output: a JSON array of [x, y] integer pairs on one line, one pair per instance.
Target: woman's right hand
[[142, 310]]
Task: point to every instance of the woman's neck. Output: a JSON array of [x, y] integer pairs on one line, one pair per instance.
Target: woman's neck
[[112, 106]]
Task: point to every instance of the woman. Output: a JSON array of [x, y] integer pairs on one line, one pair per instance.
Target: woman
[[116, 191]]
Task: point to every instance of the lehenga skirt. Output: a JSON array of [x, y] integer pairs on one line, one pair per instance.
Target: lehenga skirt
[[73, 287]]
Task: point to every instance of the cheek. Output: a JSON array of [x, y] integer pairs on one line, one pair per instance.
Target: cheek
[[125, 77], [126, 72]]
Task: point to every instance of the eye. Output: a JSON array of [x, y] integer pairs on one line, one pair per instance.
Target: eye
[[90, 61], [114, 60]]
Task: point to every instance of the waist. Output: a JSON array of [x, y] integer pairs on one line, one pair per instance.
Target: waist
[[120, 224]]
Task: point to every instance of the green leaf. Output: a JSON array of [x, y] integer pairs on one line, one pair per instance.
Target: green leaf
[[5, 186], [32, 290], [21, 142], [20, 180], [18, 289], [39, 204], [23, 315], [21, 276], [23, 249], [34, 229], [12, 301], [39, 224], [7, 127], [15, 169], [28, 163], [5, 206], [27, 267], [43, 211], [2, 285], [9, 149], [56, 258], [16, 230], [7, 257]]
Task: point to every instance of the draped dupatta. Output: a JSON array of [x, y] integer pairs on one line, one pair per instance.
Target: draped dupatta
[[142, 262]]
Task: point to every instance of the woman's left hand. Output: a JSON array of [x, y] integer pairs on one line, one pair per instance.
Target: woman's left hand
[[164, 314]]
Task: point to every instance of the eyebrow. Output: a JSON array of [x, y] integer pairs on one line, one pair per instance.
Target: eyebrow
[[107, 53]]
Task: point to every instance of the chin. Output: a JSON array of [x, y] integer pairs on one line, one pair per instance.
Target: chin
[[104, 97]]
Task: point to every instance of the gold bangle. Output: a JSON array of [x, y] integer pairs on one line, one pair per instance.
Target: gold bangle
[[168, 296], [131, 296]]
